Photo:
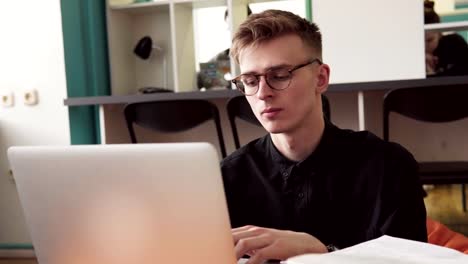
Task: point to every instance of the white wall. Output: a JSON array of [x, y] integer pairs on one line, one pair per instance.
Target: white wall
[[31, 52], [444, 6], [372, 40]]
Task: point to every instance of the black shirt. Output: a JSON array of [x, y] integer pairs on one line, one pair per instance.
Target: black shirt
[[354, 187]]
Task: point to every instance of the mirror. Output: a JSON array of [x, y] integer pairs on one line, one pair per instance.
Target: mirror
[[213, 39]]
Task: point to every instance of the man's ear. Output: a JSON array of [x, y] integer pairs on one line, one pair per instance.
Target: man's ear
[[323, 78]]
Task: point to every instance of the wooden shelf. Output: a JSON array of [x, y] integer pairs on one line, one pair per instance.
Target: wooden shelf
[[226, 94], [17, 253], [142, 7], [124, 99], [202, 3], [163, 5], [448, 26]]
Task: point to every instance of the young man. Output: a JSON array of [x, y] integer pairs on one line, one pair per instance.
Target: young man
[[308, 186]]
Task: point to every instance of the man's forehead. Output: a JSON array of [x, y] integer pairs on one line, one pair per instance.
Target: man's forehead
[[255, 58]]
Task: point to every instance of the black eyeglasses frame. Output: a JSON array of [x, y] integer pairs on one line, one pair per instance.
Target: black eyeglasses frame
[[237, 79]]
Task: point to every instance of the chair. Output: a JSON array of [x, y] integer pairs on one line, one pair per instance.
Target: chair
[[326, 107], [439, 234], [172, 116], [240, 108], [435, 104]]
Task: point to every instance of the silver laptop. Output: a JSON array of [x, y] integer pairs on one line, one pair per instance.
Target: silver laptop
[[141, 203]]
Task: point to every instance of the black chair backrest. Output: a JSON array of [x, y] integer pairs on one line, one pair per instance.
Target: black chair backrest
[[240, 108], [434, 104], [172, 116], [326, 107]]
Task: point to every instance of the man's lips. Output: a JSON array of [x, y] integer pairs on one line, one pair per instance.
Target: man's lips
[[271, 111]]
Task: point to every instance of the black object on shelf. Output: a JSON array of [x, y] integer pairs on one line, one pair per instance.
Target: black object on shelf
[[143, 50], [144, 47], [150, 90]]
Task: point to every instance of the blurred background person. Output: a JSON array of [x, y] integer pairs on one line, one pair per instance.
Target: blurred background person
[[446, 54]]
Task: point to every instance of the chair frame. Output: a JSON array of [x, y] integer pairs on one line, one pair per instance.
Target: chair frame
[[434, 104], [207, 111], [238, 107]]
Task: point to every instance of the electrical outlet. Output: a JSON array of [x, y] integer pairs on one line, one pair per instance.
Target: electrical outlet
[[30, 97], [7, 99]]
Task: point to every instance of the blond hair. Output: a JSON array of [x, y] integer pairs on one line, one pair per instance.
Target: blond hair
[[270, 24]]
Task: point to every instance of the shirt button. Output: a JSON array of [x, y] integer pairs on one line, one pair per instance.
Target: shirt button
[[301, 195], [285, 174]]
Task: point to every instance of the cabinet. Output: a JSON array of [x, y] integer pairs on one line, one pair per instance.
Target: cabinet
[[171, 26]]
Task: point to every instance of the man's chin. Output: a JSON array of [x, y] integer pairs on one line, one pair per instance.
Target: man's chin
[[274, 129], [275, 126]]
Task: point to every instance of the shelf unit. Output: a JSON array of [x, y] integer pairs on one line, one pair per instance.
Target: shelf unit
[[170, 25], [447, 26]]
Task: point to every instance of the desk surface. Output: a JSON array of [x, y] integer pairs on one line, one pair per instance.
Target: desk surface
[[17, 253], [224, 94]]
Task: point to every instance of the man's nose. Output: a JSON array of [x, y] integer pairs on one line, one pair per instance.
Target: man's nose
[[264, 89]]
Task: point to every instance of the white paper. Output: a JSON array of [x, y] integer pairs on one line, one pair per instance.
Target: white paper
[[386, 250], [242, 261]]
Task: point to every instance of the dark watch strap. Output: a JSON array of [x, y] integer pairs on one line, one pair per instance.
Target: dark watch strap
[[331, 248]]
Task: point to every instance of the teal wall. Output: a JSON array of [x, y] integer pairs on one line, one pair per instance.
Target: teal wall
[[308, 5], [86, 64], [456, 18], [461, 6]]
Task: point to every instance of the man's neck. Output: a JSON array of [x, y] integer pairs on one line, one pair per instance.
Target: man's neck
[[298, 145]]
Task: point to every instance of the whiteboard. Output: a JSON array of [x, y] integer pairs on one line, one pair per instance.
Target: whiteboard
[[372, 40]]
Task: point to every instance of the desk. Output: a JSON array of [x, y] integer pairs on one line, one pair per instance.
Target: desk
[[17, 256], [223, 94]]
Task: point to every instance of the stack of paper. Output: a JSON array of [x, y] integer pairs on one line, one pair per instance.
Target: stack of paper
[[386, 250]]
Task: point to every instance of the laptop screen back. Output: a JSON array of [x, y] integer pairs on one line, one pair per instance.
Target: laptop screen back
[[140, 203]]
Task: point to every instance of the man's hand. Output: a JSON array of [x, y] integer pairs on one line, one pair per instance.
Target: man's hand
[[431, 63], [262, 244]]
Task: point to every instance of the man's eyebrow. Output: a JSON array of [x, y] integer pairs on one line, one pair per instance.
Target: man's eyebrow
[[271, 68]]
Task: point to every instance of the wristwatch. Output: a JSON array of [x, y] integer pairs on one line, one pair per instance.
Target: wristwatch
[[331, 248]]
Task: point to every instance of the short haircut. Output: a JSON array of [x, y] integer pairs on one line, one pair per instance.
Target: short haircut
[[430, 16], [270, 24]]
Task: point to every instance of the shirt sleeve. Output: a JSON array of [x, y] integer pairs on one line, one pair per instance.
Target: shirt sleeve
[[229, 176], [407, 215]]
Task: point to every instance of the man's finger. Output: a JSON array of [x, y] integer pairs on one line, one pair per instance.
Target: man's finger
[[256, 259], [242, 228], [269, 252], [251, 244], [252, 232]]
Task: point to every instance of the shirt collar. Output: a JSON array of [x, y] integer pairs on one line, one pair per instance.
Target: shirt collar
[[321, 149]]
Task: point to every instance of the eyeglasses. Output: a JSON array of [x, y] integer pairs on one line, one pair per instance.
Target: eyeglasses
[[277, 79]]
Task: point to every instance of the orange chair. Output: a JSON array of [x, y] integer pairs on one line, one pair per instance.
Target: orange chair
[[439, 234]]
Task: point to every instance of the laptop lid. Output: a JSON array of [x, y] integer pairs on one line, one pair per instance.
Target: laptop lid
[[140, 203]]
